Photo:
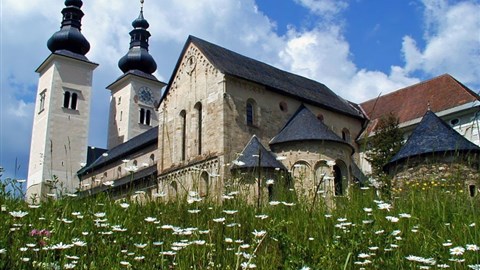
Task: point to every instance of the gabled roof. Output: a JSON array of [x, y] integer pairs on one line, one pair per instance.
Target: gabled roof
[[440, 93], [305, 126], [121, 151], [251, 153], [433, 135], [274, 79]]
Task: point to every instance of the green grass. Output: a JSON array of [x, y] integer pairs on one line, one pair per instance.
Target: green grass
[[426, 221]]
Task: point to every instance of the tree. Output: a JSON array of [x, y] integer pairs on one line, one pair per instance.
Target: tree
[[386, 142]]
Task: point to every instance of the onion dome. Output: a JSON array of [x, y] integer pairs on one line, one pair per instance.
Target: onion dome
[[69, 36], [137, 57]]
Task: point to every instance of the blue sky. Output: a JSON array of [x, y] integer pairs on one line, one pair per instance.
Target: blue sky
[[358, 48]]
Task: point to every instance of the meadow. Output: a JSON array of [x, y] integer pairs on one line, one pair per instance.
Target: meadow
[[425, 225]]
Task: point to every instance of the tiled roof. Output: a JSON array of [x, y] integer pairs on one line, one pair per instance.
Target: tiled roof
[[274, 79], [251, 153], [433, 135], [305, 126], [121, 151], [440, 93]]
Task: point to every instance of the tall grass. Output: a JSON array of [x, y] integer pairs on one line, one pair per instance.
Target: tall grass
[[423, 226]]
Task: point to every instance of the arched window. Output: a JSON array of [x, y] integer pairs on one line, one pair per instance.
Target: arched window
[[152, 159], [198, 107], [203, 185], [183, 143], [322, 170], [472, 190], [320, 117], [173, 189], [135, 163], [119, 171], [346, 135], [70, 100], [147, 118], [301, 175], [142, 115], [250, 112], [66, 99], [340, 178], [73, 103], [283, 106]]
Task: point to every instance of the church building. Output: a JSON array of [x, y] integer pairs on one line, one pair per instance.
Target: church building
[[221, 116]]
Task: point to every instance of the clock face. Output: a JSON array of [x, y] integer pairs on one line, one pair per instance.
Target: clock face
[[145, 95]]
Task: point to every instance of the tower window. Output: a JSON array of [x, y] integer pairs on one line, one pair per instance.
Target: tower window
[[346, 135], [41, 106], [70, 99], [251, 113], [145, 116]]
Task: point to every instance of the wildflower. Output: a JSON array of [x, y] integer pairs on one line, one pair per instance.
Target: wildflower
[[274, 203], [404, 215], [392, 219], [443, 266], [72, 257], [159, 194], [24, 259], [124, 205], [157, 243], [108, 183], [396, 232], [270, 182], [131, 168], [125, 263], [140, 245], [61, 246], [219, 220], [341, 219], [79, 243], [150, 219], [3, 251], [199, 242], [379, 232], [168, 253], [288, 204], [228, 240], [457, 251], [259, 233], [305, 268], [230, 212], [246, 265], [33, 206], [368, 210], [474, 266], [167, 227], [472, 247], [69, 266], [472, 225], [384, 206], [363, 255], [194, 211], [139, 258], [238, 162], [18, 214], [99, 214], [447, 244], [261, 216]]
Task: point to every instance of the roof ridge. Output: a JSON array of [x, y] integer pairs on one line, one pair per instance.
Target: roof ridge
[[409, 86]]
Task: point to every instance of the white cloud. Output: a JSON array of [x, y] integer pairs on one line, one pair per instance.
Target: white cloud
[[452, 42], [324, 7]]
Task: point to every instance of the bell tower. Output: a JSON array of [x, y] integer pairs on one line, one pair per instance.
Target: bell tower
[[136, 93], [62, 110]]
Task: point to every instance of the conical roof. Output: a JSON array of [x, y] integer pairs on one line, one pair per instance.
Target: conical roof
[[433, 135], [305, 126], [252, 152]]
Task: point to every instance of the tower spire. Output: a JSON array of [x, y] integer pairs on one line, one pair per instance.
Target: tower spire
[[69, 36], [137, 57]]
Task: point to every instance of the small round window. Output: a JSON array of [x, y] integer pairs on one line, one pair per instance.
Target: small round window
[[454, 122], [320, 117], [283, 106]]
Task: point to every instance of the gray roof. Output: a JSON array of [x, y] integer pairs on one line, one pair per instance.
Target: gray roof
[[254, 150], [274, 79], [305, 126], [121, 151], [433, 135]]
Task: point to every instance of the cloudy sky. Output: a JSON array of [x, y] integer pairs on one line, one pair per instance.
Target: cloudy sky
[[358, 48]]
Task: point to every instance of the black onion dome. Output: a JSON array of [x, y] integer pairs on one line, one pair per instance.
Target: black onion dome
[[77, 3], [69, 36], [140, 22], [137, 57]]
